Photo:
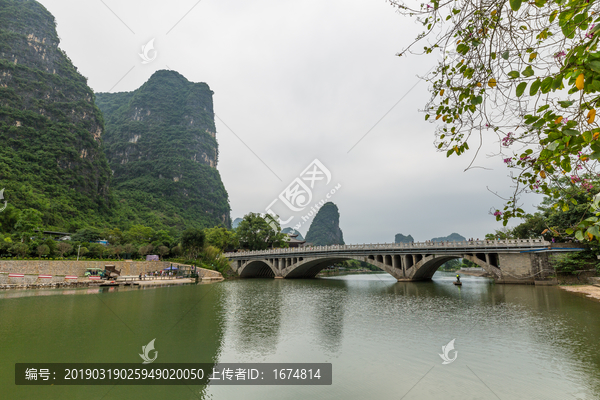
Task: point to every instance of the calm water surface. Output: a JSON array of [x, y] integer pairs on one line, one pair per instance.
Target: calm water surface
[[382, 337]]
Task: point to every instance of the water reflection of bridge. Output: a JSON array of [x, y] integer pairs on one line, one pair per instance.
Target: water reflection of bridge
[[515, 260]]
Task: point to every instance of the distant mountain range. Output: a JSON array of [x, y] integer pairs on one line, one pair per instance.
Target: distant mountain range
[[453, 237]]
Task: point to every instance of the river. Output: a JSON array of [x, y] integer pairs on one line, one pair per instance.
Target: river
[[382, 337]]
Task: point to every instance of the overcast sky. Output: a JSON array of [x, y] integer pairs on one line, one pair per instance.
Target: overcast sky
[[294, 82]]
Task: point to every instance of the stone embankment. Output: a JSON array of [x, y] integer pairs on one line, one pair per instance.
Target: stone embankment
[[70, 273], [474, 272]]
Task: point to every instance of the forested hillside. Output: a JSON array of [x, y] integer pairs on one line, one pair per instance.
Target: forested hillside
[[161, 144], [58, 148], [51, 164]]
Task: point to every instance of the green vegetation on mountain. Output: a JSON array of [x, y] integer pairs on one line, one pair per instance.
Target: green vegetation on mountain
[[54, 171], [325, 227], [160, 143], [52, 166], [400, 238]]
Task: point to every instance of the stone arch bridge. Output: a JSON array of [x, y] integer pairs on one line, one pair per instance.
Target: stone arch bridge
[[507, 261]]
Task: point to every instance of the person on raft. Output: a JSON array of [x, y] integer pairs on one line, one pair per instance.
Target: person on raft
[[457, 278]]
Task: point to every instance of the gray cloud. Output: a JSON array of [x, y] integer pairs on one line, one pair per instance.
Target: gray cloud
[[298, 81]]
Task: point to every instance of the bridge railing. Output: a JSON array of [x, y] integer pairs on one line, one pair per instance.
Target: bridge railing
[[475, 244]]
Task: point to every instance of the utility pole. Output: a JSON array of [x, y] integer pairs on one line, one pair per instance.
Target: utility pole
[[79, 248]]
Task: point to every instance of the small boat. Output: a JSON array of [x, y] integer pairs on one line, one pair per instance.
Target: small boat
[[457, 283]]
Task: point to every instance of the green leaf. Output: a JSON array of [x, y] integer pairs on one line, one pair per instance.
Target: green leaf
[[594, 66], [579, 235], [505, 55], [569, 231], [528, 72], [543, 108], [571, 132], [515, 4], [514, 74], [566, 103], [521, 88], [477, 100], [557, 83], [535, 86], [547, 84], [462, 49], [552, 146]]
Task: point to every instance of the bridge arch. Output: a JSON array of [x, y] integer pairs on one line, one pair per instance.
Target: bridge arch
[[424, 269], [257, 269], [310, 268]]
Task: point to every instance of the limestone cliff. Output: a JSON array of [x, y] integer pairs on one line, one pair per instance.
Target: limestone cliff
[[161, 145], [325, 228], [50, 128], [400, 238]]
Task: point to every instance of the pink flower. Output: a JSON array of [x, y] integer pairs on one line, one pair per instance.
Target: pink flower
[[590, 35], [508, 140], [497, 213], [560, 54]]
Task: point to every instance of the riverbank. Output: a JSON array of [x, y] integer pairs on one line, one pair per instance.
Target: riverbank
[[88, 283], [592, 291], [26, 274]]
